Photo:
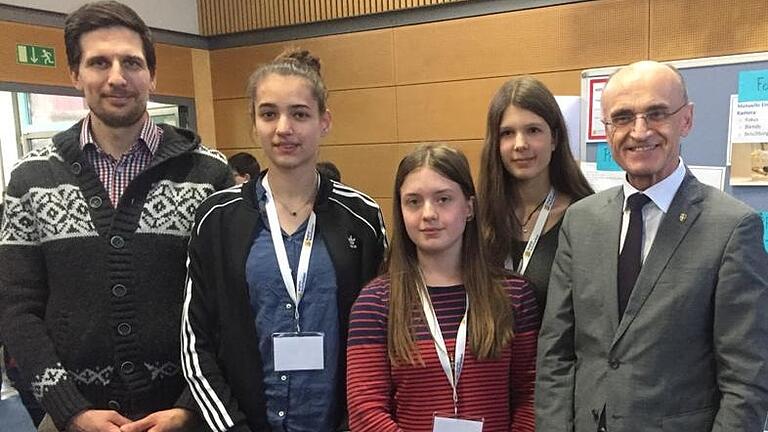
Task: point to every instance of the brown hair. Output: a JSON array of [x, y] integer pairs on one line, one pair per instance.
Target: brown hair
[[295, 62], [105, 14], [244, 163], [497, 185], [490, 318]]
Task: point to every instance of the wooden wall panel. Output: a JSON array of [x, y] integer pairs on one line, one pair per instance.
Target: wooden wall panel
[[457, 110], [370, 168], [174, 71], [10, 71], [386, 211], [204, 115], [229, 16], [684, 29], [393, 89], [358, 116], [355, 60], [362, 116], [233, 124], [377, 179], [567, 37]]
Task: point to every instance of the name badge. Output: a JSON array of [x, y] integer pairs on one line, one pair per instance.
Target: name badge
[[443, 423], [298, 351]]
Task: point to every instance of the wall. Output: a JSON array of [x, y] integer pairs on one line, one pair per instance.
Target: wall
[[229, 16], [158, 14], [391, 89]]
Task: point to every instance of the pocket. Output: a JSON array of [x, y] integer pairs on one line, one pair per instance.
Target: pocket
[[698, 420]]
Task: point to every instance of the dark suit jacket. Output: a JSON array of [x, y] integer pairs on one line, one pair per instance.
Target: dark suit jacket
[[690, 353]]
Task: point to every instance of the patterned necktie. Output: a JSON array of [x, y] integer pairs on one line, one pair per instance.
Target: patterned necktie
[[630, 258]]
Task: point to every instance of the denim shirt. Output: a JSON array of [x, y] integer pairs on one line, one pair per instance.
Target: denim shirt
[[297, 400]]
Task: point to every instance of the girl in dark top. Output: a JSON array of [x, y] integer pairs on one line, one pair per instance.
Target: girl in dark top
[[528, 178], [441, 331]]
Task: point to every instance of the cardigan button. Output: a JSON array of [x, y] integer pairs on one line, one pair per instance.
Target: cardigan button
[[76, 168], [119, 290], [95, 202], [124, 329], [117, 242], [127, 367], [114, 405], [614, 364]]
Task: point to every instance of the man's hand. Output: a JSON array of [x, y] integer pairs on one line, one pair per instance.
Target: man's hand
[[172, 420], [97, 421]]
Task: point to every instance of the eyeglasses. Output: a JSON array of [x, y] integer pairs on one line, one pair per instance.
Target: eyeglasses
[[652, 117]]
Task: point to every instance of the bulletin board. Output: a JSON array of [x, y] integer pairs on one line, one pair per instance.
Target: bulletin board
[[710, 83]]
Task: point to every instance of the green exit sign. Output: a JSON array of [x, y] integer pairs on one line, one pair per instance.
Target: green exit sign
[[36, 55]]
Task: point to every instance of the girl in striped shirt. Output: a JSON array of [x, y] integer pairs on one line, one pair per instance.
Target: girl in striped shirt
[[404, 371]]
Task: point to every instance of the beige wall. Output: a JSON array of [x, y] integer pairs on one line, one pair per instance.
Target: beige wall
[[393, 88]]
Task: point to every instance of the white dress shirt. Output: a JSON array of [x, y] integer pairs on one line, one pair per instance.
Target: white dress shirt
[[661, 195]]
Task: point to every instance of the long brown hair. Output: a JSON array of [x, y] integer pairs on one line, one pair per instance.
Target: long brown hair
[[490, 318], [497, 185]]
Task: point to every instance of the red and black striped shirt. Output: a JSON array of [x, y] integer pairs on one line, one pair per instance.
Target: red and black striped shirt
[[383, 398]]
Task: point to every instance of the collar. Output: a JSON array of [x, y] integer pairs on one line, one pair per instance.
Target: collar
[[149, 136], [254, 194], [662, 192]]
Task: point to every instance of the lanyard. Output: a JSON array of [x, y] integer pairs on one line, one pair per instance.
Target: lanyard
[[533, 240], [295, 291], [441, 348]]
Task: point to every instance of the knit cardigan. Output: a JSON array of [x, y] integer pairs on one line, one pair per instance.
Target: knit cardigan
[[92, 294]]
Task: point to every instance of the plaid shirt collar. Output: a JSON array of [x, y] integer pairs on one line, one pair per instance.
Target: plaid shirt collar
[[150, 135]]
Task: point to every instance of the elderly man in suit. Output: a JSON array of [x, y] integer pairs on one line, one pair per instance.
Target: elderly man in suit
[[656, 316]]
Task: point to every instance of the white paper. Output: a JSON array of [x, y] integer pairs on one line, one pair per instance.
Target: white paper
[[570, 106], [749, 122], [597, 130], [298, 351], [446, 424], [709, 175], [601, 180]]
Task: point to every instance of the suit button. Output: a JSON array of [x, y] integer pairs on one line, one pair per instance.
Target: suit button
[[127, 367], [95, 202], [76, 168], [614, 364], [114, 405], [119, 290], [602, 429], [117, 242], [124, 329]]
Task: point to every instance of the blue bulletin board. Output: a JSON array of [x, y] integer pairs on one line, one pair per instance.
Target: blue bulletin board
[[710, 83]]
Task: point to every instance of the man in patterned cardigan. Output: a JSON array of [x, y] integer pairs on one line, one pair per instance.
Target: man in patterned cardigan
[[93, 242]]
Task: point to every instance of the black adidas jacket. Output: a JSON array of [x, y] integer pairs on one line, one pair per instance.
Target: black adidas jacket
[[220, 354]]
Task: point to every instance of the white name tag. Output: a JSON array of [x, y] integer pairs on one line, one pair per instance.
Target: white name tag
[[298, 351], [451, 424]]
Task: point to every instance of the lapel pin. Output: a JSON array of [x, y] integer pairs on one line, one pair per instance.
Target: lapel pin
[[683, 217]]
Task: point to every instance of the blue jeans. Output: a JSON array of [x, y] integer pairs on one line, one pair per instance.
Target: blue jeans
[[14, 416]]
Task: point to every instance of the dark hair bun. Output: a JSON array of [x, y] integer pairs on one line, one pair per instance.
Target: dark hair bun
[[301, 56]]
